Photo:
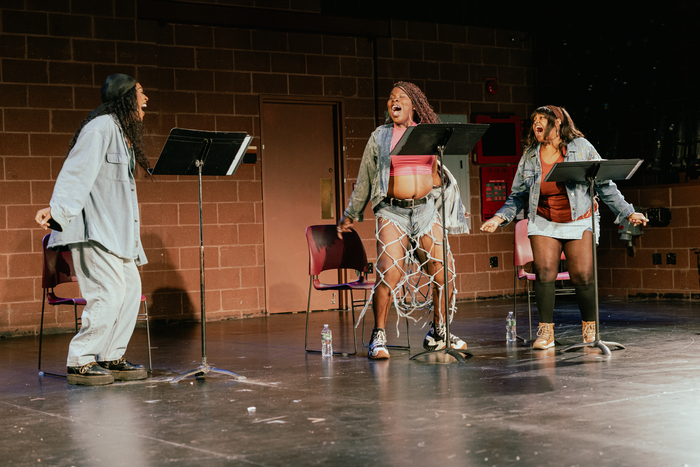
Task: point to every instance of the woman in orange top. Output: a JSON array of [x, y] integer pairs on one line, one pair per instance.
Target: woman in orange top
[[559, 215]]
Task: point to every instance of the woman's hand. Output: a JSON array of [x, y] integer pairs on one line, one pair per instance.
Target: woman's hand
[[345, 225], [637, 218], [492, 224], [42, 217]]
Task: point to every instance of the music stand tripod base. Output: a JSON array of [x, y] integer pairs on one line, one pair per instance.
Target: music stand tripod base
[[521, 338], [602, 345], [457, 355], [203, 369]]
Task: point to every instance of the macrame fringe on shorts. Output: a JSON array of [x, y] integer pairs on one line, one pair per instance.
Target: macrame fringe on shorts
[[413, 293]]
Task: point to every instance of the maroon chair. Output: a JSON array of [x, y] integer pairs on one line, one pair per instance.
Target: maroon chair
[[328, 252], [58, 269], [522, 255]]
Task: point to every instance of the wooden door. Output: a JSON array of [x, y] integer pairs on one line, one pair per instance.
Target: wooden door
[[301, 157]]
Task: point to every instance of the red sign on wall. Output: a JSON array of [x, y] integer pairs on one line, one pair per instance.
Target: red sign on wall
[[495, 188]]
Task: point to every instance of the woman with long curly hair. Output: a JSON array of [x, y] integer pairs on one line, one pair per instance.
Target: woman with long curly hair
[[408, 226], [94, 213], [559, 215]]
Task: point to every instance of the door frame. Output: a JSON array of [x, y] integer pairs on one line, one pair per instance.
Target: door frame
[[340, 162]]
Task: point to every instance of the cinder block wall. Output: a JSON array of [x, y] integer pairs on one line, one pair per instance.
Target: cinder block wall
[[623, 275], [54, 56]]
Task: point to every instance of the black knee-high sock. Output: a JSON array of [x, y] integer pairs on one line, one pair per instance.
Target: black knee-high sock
[[585, 297], [544, 294]]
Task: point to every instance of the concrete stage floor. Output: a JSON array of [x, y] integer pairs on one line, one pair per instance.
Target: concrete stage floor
[[507, 405]]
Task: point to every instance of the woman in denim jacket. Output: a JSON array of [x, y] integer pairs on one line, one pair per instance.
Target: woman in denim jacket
[[559, 215], [408, 227]]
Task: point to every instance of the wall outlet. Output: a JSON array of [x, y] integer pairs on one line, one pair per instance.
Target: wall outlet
[[656, 258], [493, 262], [370, 268], [670, 258]]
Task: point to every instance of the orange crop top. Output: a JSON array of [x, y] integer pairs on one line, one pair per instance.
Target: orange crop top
[[554, 202], [408, 165]]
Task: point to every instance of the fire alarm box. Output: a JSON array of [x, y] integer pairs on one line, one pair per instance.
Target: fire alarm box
[[495, 188]]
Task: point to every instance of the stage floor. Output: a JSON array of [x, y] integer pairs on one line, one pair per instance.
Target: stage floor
[[507, 405]]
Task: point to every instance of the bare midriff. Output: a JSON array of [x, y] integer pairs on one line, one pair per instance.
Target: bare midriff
[[410, 186]]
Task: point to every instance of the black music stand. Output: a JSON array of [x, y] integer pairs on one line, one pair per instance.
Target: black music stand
[[590, 171], [193, 152], [441, 139]]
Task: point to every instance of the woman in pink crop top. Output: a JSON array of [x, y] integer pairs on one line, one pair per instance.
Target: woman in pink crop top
[[407, 222]]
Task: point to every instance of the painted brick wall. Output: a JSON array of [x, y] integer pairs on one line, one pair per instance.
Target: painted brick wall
[[624, 275], [55, 55]]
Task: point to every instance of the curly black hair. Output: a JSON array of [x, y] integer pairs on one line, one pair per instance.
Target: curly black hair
[[125, 110], [567, 130], [423, 111]]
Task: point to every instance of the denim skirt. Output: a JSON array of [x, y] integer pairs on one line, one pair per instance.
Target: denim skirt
[[563, 230]]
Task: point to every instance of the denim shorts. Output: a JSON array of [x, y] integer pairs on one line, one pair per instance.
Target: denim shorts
[[563, 230], [414, 222]]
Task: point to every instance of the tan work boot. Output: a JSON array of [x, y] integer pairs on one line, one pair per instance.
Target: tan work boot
[[588, 329], [545, 337]]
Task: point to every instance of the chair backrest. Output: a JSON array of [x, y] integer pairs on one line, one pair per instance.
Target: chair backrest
[[522, 249], [327, 251], [57, 267]]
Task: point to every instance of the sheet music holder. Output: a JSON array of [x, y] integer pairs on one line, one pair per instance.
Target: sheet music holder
[[221, 153], [589, 172], [580, 171], [426, 138], [441, 139], [194, 152]]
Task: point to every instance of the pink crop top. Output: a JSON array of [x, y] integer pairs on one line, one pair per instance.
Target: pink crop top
[[408, 165], [411, 165]]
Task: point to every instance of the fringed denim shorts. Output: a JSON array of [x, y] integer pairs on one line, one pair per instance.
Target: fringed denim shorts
[[563, 230], [414, 222]]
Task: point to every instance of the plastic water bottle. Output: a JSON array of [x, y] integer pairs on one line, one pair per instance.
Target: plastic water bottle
[[510, 327], [326, 341]]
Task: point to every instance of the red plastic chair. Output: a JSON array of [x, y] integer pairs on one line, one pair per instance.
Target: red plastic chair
[[328, 252], [522, 255], [58, 269]]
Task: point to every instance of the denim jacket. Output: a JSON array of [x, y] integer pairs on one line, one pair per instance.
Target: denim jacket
[[527, 182], [373, 183], [94, 197]]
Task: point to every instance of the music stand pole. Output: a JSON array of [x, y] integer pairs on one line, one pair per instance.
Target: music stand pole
[[602, 345], [590, 171], [441, 138], [448, 350], [204, 368], [194, 152]]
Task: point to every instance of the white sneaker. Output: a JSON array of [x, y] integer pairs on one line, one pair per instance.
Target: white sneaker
[[377, 345], [435, 339]]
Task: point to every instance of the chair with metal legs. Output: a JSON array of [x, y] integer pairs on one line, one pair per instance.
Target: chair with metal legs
[[328, 252]]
